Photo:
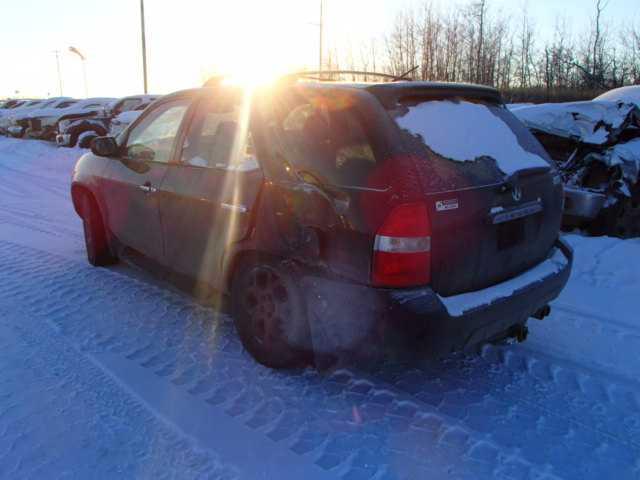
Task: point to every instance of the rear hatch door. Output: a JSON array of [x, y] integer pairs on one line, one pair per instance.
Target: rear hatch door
[[494, 199]]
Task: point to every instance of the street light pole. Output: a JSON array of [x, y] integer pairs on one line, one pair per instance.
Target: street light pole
[[144, 46], [84, 69], [58, 67]]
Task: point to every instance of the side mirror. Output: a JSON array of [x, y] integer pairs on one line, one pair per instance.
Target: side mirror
[[104, 146]]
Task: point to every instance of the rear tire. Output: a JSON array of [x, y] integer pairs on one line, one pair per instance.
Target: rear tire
[[95, 237], [268, 311]]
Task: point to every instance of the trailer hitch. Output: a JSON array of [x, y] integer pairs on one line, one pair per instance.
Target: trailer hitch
[[519, 332], [542, 312]]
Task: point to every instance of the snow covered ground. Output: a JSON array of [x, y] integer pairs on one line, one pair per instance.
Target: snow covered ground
[[113, 373]]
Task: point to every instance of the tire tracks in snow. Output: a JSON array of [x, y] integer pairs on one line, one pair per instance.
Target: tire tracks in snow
[[349, 423], [337, 426]]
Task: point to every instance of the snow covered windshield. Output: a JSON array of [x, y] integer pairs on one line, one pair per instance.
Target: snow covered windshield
[[484, 140]]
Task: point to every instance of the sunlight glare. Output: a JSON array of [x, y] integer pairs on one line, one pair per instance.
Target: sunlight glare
[[272, 41]]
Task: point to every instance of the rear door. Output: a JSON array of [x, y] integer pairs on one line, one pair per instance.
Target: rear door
[[207, 196], [133, 182]]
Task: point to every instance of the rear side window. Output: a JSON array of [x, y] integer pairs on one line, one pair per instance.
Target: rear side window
[[324, 140]]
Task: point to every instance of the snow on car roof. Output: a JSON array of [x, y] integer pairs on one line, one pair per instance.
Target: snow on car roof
[[591, 121]]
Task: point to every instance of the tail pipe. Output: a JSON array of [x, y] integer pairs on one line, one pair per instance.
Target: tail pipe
[[542, 312]]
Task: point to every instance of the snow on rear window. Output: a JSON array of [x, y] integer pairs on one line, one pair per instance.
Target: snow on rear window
[[466, 131]]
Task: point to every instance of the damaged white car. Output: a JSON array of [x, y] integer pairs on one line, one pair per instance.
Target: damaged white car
[[597, 147]]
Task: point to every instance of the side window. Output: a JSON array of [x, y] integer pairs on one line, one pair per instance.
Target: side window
[[152, 139], [216, 139], [326, 140]]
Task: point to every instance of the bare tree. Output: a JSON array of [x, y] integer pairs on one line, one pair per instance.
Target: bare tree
[[480, 44]]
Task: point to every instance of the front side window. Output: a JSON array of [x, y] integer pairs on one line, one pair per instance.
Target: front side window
[[216, 138], [152, 139]]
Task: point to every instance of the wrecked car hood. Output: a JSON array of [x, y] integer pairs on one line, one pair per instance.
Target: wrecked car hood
[[595, 122]]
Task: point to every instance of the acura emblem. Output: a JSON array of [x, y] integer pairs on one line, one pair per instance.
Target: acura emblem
[[516, 193]]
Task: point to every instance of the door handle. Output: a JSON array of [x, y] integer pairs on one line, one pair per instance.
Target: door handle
[[234, 208], [147, 188]]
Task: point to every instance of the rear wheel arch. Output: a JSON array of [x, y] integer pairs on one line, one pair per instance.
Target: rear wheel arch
[[242, 259], [288, 328]]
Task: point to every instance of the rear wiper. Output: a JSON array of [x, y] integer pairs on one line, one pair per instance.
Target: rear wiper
[[512, 180], [525, 172]]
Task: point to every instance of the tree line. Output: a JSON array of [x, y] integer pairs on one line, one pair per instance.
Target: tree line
[[476, 43]]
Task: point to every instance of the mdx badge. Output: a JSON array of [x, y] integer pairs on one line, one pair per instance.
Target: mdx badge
[[444, 205]]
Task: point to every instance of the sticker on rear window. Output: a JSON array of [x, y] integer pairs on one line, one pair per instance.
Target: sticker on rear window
[[444, 205]]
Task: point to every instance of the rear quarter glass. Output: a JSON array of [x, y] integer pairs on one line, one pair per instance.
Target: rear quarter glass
[[460, 143]]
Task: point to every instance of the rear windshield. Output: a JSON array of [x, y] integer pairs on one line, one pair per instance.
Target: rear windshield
[[466, 143]]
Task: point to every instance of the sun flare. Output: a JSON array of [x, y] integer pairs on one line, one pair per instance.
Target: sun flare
[[272, 41]]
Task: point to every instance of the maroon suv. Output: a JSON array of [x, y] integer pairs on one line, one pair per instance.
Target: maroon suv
[[337, 215]]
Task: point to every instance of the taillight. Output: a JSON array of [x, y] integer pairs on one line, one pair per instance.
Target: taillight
[[402, 248]]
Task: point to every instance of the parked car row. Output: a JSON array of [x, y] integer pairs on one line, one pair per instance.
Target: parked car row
[[67, 121]]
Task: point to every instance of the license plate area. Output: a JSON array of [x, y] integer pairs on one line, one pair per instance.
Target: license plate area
[[510, 234]]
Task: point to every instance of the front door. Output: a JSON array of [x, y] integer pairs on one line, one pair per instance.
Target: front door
[[133, 182]]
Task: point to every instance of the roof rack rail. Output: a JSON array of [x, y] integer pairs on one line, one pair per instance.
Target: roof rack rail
[[215, 81], [319, 74]]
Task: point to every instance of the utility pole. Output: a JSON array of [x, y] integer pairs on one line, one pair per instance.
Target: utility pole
[[57, 53], [144, 46]]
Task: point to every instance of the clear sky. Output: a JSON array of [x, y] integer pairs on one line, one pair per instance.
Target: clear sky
[[188, 39]]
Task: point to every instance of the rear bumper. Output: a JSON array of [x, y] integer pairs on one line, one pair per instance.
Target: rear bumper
[[345, 316]]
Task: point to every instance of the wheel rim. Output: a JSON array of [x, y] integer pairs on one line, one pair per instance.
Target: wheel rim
[[266, 300]]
